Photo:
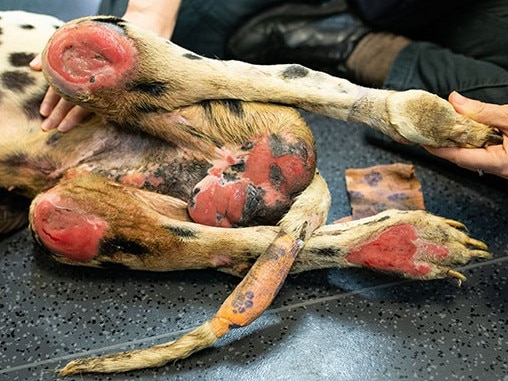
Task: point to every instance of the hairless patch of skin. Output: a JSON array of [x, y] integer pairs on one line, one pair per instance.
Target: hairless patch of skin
[[89, 58], [64, 228], [254, 187], [398, 248]]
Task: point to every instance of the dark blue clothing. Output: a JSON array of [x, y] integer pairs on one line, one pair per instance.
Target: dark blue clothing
[[403, 15], [204, 26], [464, 48]]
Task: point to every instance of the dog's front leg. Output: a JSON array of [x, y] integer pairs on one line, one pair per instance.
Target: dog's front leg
[[117, 52]]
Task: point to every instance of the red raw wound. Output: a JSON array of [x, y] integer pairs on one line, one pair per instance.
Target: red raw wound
[[65, 229], [295, 171], [260, 192], [218, 203], [397, 249], [85, 56]]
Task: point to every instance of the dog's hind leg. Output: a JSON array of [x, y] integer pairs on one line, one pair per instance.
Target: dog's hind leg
[[247, 302]]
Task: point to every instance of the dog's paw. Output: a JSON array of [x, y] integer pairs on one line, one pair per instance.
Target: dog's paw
[[424, 118], [416, 244]]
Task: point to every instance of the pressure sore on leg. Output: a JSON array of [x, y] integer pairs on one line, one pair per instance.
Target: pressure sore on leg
[[398, 249], [254, 187], [85, 56], [65, 229]]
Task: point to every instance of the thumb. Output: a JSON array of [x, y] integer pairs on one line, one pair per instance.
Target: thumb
[[491, 114], [36, 63]]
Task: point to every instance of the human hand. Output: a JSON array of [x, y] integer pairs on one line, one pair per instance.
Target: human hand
[[58, 112], [153, 15], [492, 159]]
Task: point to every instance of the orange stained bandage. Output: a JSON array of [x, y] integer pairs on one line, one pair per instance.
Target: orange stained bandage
[[256, 291], [382, 187]]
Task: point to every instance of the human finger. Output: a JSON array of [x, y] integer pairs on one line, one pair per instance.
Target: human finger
[[491, 159], [76, 115], [57, 114], [49, 102], [488, 113], [36, 63]]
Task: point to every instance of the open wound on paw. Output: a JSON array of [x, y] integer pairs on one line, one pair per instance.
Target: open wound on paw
[[398, 249]]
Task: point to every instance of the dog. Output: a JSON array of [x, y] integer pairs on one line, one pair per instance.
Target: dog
[[192, 163]]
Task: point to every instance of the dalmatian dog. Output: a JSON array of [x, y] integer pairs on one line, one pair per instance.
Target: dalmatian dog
[[183, 149]]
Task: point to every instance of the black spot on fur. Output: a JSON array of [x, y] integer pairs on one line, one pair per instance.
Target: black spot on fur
[[375, 222], [234, 106], [207, 107], [384, 218], [41, 164], [110, 20], [1, 31], [122, 245], [326, 252], [17, 80], [154, 88], [53, 138], [180, 231], [20, 59], [295, 71], [32, 104], [191, 56], [27, 26], [15, 159], [145, 108]]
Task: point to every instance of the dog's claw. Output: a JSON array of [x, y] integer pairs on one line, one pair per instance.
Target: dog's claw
[[477, 244], [456, 224], [459, 276], [480, 254]]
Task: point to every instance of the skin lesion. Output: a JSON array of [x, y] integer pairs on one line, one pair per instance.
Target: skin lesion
[[397, 249]]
